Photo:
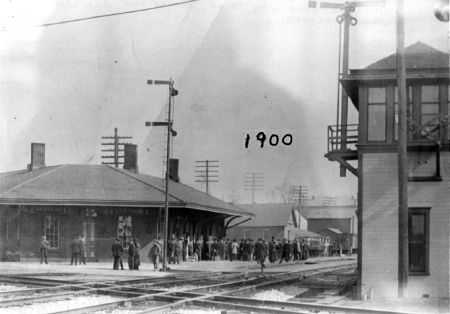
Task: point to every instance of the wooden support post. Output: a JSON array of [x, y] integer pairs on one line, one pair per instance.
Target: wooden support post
[[403, 262]]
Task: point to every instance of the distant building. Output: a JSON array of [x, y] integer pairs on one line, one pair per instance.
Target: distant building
[[342, 220], [101, 203], [282, 221]]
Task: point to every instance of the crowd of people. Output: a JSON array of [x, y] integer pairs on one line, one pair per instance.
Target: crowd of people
[[183, 249]]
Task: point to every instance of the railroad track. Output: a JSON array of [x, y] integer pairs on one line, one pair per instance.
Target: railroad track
[[153, 295], [157, 302]]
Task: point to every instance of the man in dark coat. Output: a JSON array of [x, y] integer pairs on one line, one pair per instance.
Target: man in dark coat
[[131, 252], [272, 251], [137, 255], [117, 251], [43, 250], [171, 249], [261, 253], [75, 247]]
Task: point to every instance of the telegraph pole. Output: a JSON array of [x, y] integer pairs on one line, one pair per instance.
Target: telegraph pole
[[115, 150], [207, 172], [403, 262], [254, 181], [172, 92], [298, 194]]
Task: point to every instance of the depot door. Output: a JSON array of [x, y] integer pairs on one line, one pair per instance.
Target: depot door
[[89, 236]]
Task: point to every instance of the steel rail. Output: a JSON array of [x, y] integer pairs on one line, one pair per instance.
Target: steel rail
[[160, 295], [201, 298], [113, 288], [106, 284]]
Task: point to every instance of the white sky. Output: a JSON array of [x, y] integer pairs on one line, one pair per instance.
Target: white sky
[[241, 66]]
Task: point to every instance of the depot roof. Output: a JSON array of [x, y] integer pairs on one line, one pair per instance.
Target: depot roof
[[102, 185]]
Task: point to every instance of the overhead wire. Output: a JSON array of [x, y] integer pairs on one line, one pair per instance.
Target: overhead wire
[[81, 19]]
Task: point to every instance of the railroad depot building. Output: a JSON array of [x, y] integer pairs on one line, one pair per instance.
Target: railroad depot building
[[373, 92], [101, 203]]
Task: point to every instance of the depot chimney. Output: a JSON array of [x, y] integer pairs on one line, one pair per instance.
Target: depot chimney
[[130, 157], [37, 156], [173, 169]]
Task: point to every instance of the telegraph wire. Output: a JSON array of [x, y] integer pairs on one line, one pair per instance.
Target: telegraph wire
[[81, 19]]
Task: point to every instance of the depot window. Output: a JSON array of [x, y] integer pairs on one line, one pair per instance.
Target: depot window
[[52, 230], [418, 240], [376, 111]]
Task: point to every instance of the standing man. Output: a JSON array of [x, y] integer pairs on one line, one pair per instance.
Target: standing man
[[261, 253], [234, 250], [83, 253], [179, 250], [131, 252], [155, 253], [137, 255], [117, 251], [272, 251], [44, 249], [75, 247]]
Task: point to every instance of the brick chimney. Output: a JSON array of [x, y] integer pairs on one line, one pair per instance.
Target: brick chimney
[[37, 156], [173, 169], [130, 157]]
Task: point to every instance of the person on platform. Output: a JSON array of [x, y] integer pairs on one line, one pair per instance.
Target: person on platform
[[261, 253], [185, 248], [43, 250], [272, 251], [117, 251], [137, 255], [171, 249], [190, 247], [83, 252], [234, 250], [251, 250], [131, 252], [155, 253], [227, 249], [75, 247], [214, 250], [279, 249], [197, 251], [179, 251]]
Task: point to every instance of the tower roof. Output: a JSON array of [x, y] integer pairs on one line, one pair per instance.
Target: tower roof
[[417, 56]]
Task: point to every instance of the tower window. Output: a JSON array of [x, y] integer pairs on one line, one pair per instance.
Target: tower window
[[376, 122]]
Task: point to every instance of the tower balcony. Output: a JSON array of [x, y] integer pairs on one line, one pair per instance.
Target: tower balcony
[[342, 140]]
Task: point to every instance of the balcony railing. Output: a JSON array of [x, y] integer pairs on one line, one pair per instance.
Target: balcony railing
[[342, 137]]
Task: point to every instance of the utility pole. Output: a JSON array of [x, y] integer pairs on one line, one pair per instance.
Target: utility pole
[[403, 262], [207, 172], [298, 193], [172, 92], [345, 20], [115, 150], [253, 181]]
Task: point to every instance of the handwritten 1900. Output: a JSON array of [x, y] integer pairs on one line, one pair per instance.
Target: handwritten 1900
[[274, 139]]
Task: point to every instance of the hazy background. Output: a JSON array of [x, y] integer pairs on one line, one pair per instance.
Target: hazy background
[[241, 66]]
